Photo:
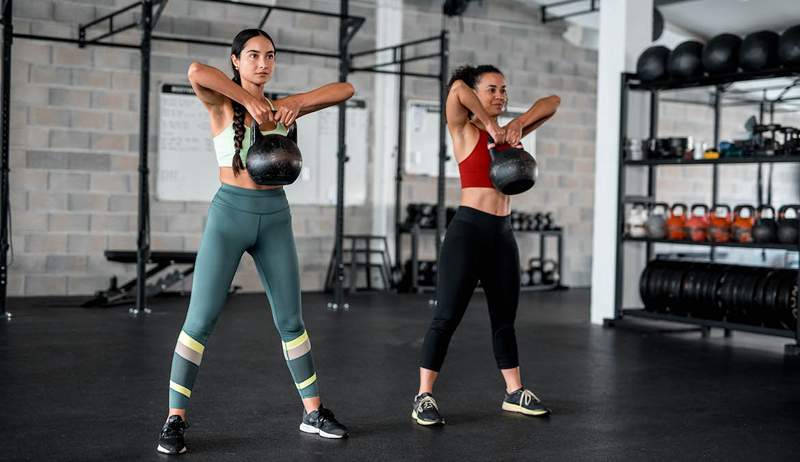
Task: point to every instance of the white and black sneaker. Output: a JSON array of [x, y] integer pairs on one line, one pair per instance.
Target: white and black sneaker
[[323, 423], [426, 411], [171, 439], [525, 402]]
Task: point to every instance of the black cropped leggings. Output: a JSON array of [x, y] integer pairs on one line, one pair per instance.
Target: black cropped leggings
[[477, 247]]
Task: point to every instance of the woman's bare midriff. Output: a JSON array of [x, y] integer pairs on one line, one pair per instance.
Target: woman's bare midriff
[[487, 200], [242, 180]]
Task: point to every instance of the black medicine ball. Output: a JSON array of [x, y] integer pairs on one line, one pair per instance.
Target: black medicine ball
[[759, 51], [789, 46], [685, 61], [721, 54], [652, 63]]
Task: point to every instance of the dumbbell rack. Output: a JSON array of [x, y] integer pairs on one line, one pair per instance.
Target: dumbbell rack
[[416, 232], [630, 82]]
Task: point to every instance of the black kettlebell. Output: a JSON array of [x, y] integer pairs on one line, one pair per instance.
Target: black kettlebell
[[273, 160], [513, 170], [766, 228], [787, 227]]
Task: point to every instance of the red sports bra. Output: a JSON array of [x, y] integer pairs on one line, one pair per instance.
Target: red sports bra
[[474, 169]]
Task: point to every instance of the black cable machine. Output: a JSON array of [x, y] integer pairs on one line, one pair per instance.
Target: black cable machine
[[400, 58], [151, 11]]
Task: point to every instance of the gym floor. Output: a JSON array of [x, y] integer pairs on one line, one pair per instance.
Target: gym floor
[[92, 385]]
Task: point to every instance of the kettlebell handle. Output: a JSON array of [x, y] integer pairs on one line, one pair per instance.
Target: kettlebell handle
[[491, 145], [724, 207], [255, 131], [793, 207], [760, 211]]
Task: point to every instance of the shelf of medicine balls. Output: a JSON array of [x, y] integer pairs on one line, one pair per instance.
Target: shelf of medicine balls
[[712, 80], [554, 280]]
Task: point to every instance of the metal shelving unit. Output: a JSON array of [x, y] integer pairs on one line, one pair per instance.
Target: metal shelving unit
[[629, 82]]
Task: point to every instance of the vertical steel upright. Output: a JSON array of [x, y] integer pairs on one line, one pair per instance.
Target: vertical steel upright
[[715, 168], [398, 175], [341, 156], [8, 37], [143, 238], [444, 53], [619, 252], [651, 169]]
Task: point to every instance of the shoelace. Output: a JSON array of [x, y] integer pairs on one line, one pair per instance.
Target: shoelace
[[177, 429], [325, 414], [427, 403], [527, 397]]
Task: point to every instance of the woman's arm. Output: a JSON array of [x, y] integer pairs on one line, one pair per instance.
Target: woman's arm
[[541, 111], [461, 100], [212, 87], [294, 106]]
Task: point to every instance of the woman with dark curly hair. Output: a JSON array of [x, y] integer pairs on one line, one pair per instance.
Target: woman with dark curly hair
[[247, 217], [479, 244]]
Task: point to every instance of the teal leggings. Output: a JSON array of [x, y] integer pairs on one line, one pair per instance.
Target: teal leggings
[[258, 222]]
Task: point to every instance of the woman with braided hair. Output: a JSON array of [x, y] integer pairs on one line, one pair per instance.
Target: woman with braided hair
[[247, 217]]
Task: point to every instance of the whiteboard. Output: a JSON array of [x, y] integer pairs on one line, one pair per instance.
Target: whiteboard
[[422, 139], [187, 167]]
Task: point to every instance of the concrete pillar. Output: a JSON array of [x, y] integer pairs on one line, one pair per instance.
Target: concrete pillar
[[625, 30], [389, 30]]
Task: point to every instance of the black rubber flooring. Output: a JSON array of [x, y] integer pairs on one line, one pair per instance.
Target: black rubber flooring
[[91, 385]]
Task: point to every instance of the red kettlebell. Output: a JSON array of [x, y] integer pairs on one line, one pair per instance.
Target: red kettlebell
[[719, 223], [676, 223], [744, 217], [697, 223]]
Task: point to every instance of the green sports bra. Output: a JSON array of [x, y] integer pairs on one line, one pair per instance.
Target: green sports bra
[[223, 143], [225, 149]]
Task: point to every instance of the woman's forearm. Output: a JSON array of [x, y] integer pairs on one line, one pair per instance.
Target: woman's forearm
[[214, 79], [327, 95], [540, 112], [467, 98]]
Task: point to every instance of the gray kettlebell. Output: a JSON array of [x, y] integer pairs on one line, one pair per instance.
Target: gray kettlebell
[[787, 227], [766, 228], [656, 224]]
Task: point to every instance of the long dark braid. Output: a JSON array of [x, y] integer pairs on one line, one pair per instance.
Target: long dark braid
[[238, 110], [238, 129]]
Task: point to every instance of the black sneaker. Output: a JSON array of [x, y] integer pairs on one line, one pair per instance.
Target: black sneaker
[[171, 439], [426, 411], [524, 402], [323, 422]]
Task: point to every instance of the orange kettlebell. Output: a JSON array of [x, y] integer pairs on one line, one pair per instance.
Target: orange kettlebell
[[676, 223], [719, 224], [744, 217], [697, 224]]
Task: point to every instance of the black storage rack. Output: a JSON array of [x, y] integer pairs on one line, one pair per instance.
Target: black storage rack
[[630, 82]]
